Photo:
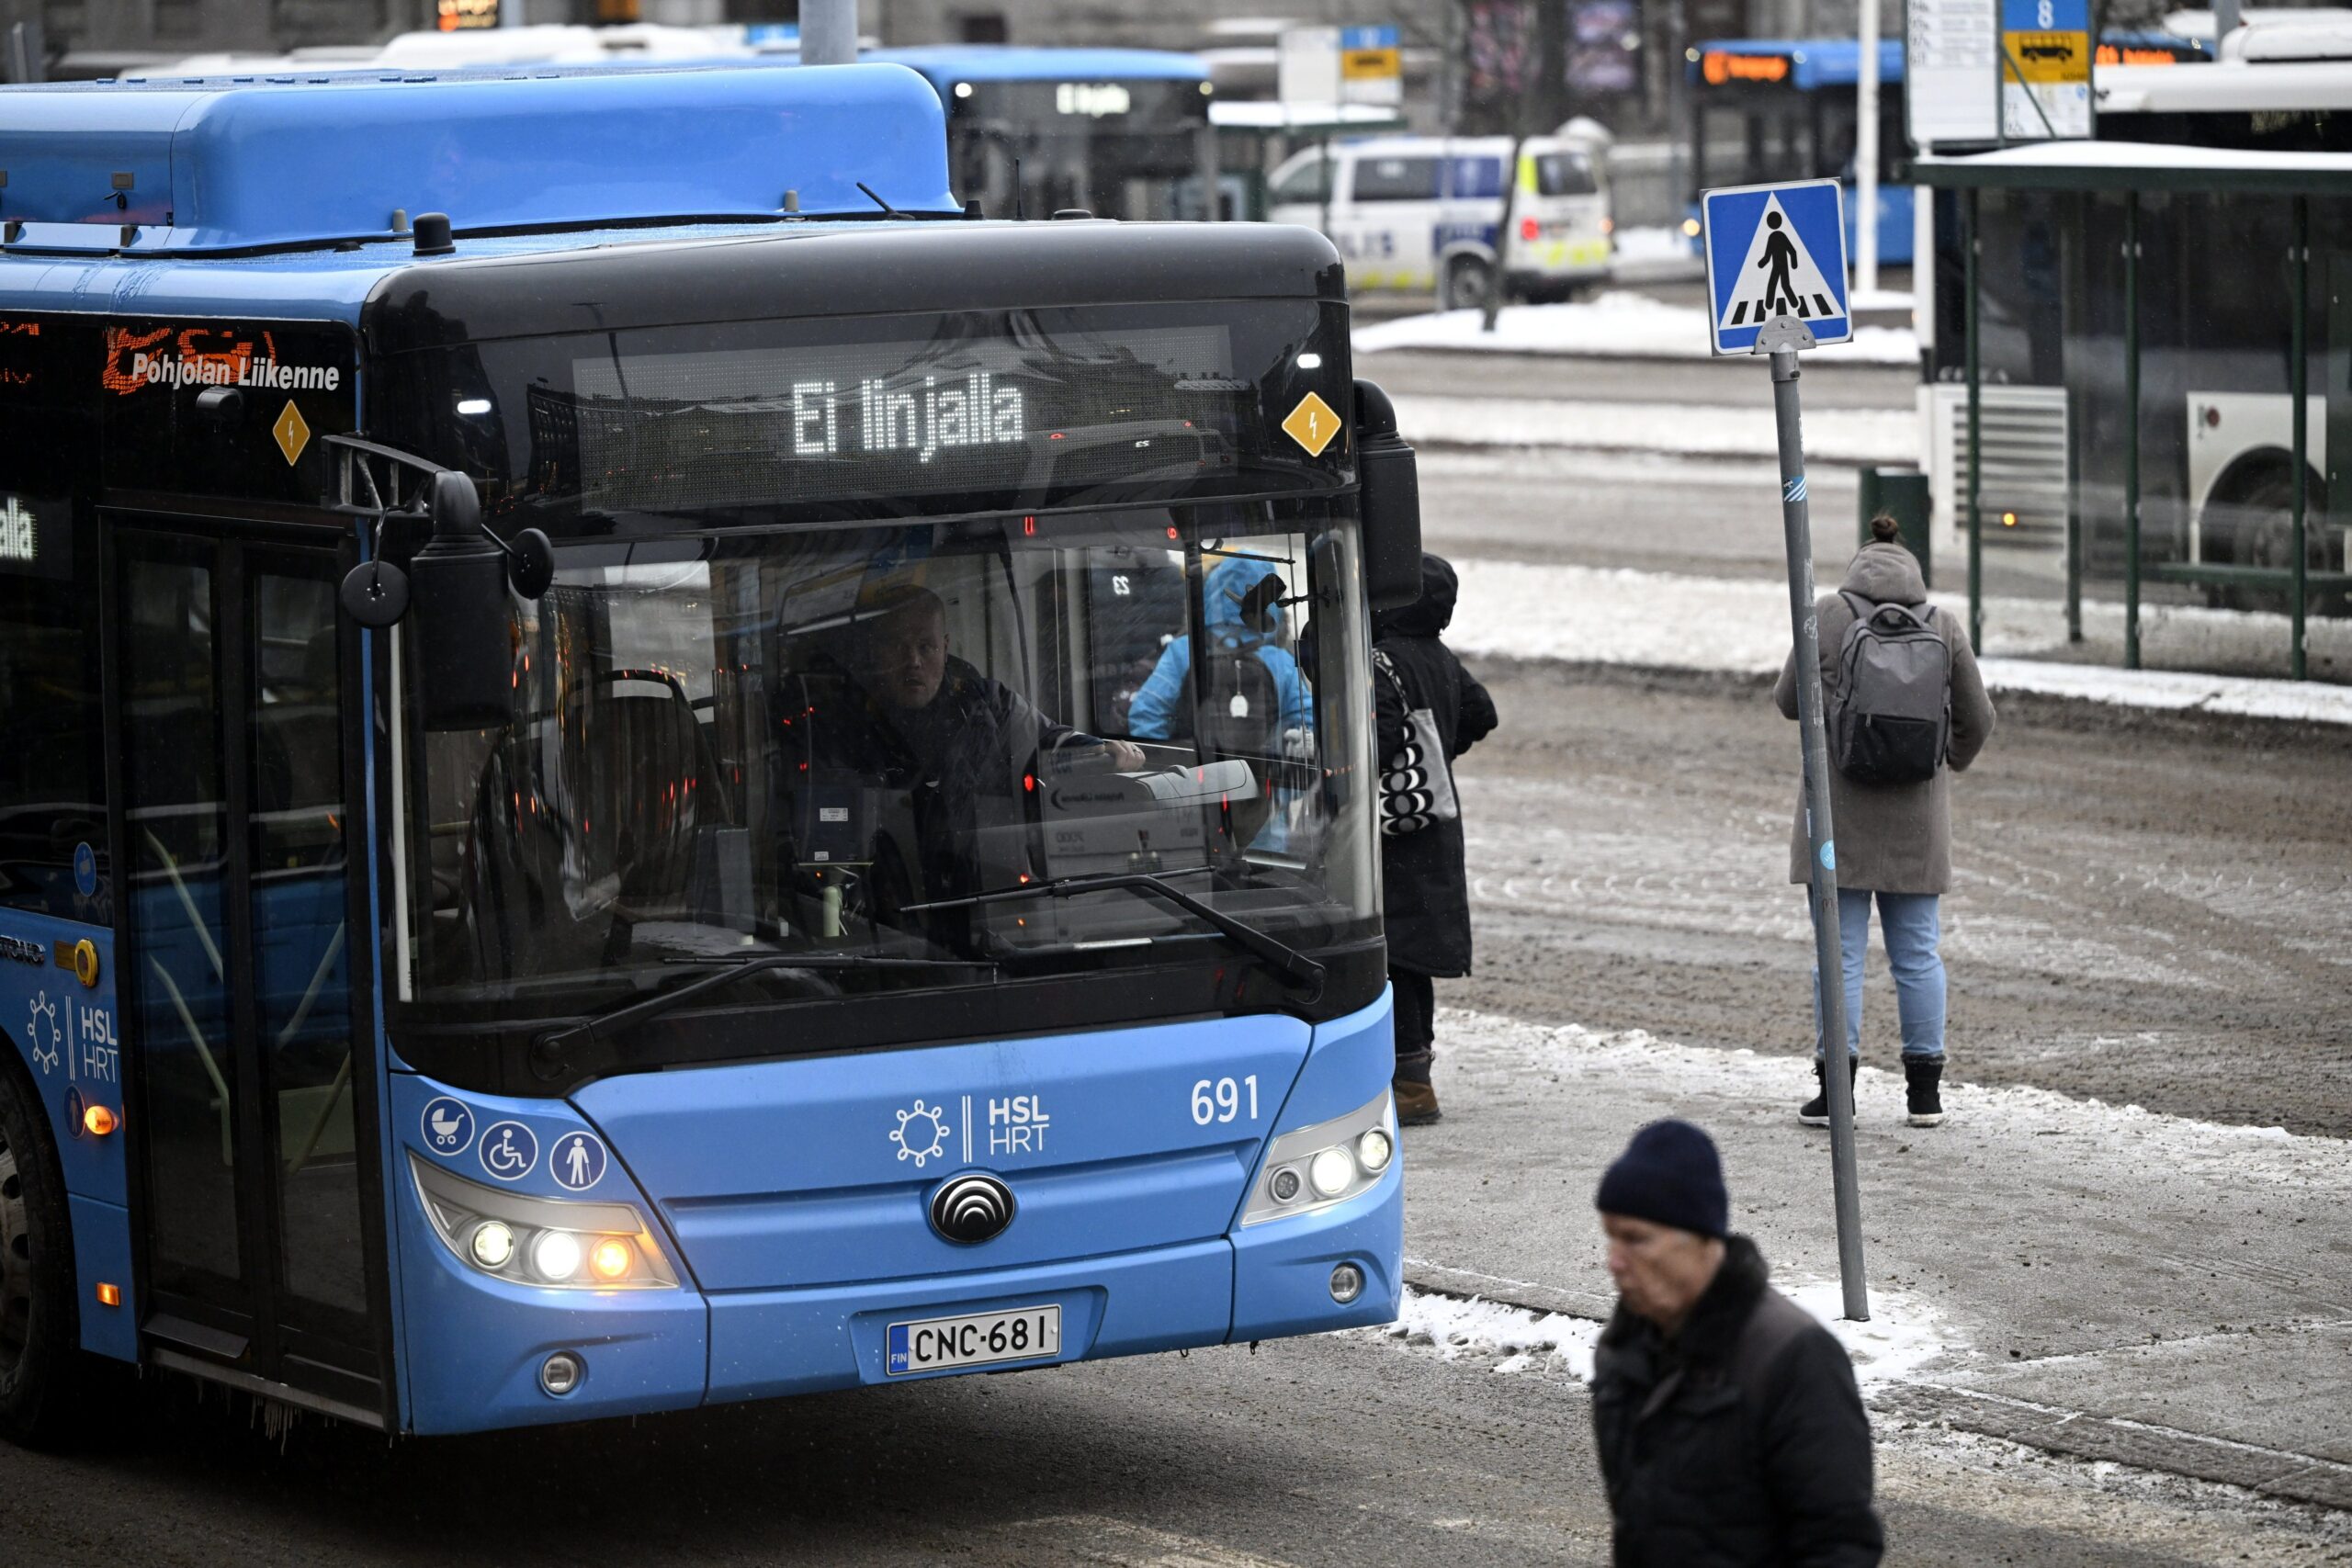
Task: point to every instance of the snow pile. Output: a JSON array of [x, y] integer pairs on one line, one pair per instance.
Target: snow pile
[[1901, 1337], [1455, 1324], [1738, 625], [1860, 435], [1619, 324]]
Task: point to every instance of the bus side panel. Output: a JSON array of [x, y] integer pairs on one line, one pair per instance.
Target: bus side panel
[[1282, 1268], [102, 1257], [67, 1035]]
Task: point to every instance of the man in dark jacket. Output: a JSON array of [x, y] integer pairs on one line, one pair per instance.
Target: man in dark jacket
[[956, 741], [1729, 1427], [1426, 898]]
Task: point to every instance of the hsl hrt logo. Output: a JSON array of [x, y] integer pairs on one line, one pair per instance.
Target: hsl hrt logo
[[19, 535]]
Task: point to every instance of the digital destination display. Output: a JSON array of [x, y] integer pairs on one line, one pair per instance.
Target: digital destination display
[[1029, 409]]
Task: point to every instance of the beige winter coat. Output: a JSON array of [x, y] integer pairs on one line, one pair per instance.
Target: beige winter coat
[[1892, 838]]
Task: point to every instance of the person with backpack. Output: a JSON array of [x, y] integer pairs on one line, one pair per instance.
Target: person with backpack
[[1424, 701], [1252, 695], [1904, 708]]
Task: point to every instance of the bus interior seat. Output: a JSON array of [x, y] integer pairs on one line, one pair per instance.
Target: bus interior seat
[[584, 824]]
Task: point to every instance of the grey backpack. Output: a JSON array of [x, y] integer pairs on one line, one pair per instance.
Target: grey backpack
[[1889, 706]]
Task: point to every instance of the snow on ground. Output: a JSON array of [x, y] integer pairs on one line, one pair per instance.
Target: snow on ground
[[2130, 1134], [1901, 1337], [1858, 435], [1665, 620], [1619, 324], [1455, 1324]]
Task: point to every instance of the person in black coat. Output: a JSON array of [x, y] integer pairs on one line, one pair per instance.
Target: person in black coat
[[1730, 1432], [1427, 890]]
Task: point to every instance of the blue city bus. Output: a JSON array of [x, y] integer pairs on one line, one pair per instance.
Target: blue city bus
[[1119, 132], [572, 840], [1788, 108]]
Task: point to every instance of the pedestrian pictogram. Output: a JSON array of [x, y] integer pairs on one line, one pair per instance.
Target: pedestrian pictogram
[[293, 432], [1312, 424], [578, 1161], [1776, 251]]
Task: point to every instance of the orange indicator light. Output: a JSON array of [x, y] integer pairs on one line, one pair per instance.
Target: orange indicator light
[[611, 1259], [109, 1295], [97, 1120]]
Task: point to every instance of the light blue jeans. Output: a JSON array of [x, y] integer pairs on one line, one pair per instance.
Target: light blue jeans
[[1912, 925]]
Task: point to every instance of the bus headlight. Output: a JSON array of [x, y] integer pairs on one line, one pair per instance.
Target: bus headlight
[[1314, 1167], [547, 1242]]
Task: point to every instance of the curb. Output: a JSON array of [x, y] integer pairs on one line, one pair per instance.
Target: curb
[[2072, 1434]]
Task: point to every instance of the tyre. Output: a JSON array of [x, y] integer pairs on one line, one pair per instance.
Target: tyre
[[2265, 536], [40, 1335], [1463, 285]]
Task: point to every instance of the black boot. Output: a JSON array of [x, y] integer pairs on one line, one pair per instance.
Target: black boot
[[1815, 1113], [1922, 1082]]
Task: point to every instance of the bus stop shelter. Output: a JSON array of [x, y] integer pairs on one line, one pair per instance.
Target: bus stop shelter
[[2145, 354]]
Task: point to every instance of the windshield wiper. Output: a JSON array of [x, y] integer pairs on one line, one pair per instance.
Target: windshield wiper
[[549, 1047], [1295, 966]]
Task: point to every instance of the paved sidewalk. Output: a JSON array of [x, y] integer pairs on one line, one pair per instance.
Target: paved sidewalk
[[2090, 1279], [1740, 626]]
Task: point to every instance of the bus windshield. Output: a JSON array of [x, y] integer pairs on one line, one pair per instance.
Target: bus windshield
[[827, 741]]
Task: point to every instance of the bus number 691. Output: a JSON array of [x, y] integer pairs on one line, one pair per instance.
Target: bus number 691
[[1221, 1100]]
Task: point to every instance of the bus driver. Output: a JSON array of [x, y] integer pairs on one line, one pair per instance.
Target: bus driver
[[930, 727]]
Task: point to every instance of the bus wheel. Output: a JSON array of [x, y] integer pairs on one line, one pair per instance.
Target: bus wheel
[[40, 1339], [2266, 537], [1463, 284]]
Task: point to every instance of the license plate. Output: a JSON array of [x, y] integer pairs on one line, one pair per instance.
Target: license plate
[[936, 1344]]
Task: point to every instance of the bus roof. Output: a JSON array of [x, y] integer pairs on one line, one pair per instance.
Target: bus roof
[[946, 64], [230, 165], [2228, 87], [1813, 63]]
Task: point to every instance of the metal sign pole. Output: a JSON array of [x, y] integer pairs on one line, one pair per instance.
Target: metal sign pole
[[1781, 338]]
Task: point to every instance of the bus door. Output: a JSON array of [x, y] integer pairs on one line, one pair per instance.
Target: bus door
[[248, 1056]]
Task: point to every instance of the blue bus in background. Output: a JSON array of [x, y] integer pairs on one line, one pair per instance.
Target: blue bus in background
[[571, 840], [1119, 132], [1764, 110]]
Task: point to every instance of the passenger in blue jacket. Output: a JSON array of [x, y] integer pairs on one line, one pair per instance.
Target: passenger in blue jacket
[[1241, 613]]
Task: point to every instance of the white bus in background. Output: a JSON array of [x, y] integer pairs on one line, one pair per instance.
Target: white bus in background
[[1420, 213], [2282, 83]]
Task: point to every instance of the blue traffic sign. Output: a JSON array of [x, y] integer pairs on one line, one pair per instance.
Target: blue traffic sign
[[1776, 251], [1384, 36]]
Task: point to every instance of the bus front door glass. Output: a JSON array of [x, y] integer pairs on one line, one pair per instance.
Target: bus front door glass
[[234, 748]]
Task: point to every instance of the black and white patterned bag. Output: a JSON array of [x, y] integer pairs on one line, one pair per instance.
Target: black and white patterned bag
[[1416, 785]]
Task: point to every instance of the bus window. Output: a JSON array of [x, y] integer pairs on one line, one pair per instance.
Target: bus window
[[1395, 179], [51, 799]]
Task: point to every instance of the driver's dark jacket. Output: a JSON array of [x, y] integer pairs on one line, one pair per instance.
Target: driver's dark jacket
[[1742, 1441], [972, 745]]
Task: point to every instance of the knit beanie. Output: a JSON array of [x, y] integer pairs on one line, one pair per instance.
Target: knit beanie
[[1669, 1175]]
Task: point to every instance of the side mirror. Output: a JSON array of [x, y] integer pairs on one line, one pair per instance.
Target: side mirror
[[1391, 502], [464, 642]]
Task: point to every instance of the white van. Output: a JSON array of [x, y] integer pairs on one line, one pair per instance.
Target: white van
[[1420, 212]]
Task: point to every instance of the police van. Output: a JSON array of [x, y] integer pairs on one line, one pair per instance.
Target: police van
[[1413, 212]]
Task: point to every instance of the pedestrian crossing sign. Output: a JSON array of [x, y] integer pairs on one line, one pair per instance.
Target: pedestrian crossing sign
[[1776, 251]]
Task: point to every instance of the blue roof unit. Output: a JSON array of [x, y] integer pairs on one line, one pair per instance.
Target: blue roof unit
[[1814, 62], [222, 166]]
